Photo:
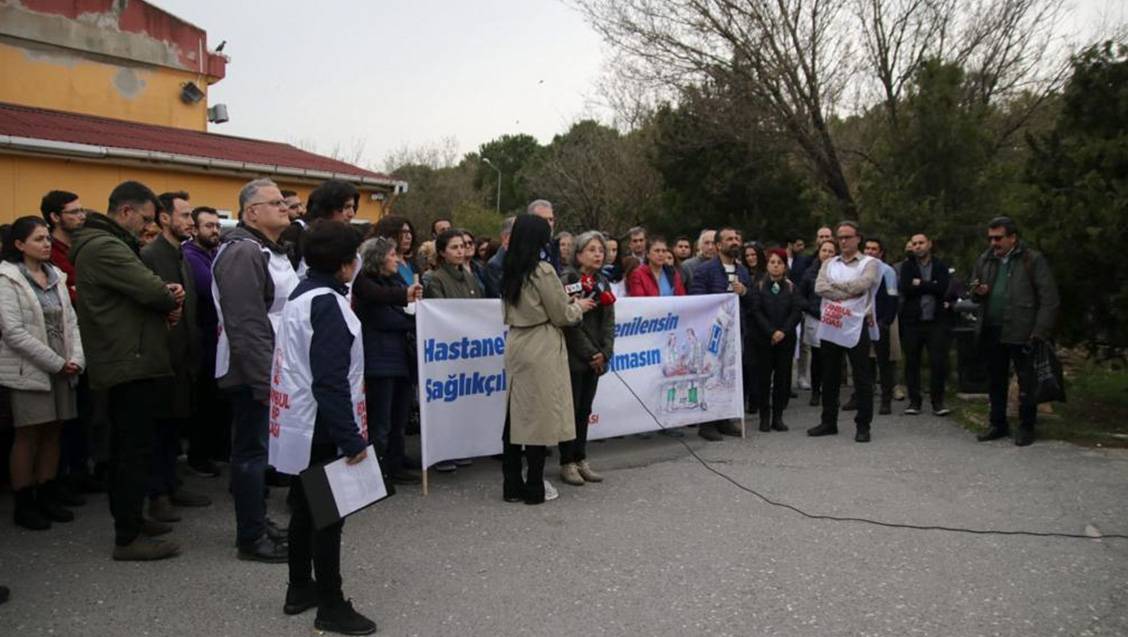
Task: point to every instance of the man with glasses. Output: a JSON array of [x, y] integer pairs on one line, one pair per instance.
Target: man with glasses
[[124, 312], [847, 285], [1018, 304], [64, 215], [252, 279]]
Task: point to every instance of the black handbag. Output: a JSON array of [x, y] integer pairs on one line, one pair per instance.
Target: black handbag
[[1049, 382]]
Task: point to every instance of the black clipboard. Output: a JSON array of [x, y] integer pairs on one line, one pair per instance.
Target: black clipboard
[[319, 493]]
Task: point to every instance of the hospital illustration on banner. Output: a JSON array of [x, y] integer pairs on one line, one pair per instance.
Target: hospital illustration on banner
[[699, 369]]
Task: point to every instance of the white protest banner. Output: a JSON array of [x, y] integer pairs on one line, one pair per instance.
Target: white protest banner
[[680, 355]]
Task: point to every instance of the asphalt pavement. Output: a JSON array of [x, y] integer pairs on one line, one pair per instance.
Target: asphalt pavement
[[662, 547]]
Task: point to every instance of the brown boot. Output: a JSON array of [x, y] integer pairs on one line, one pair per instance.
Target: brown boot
[[145, 549], [570, 474], [588, 474]]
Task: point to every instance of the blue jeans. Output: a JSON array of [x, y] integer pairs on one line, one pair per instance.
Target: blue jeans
[[250, 431]]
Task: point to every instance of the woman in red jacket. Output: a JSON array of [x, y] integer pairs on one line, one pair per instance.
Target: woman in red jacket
[[656, 277]]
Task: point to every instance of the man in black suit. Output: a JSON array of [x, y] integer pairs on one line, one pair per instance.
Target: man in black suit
[[925, 322]]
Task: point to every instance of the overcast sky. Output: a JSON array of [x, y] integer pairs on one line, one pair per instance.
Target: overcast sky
[[397, 73]]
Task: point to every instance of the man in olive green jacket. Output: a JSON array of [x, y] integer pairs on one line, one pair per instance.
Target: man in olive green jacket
[[1019, 303], [124, 311]]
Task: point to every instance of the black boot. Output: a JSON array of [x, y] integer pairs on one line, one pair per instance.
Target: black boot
[[816, 398], [27, 514], [340, 617], [47, 498], [765, 420], [66, 495], [823, 430], [777, 422], [994, 432], [1025, 435], [300, 598]]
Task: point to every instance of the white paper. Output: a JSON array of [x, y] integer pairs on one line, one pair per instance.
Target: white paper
[[356, 486]]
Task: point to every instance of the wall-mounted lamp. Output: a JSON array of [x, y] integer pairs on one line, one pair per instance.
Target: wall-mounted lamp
[[218, 114]]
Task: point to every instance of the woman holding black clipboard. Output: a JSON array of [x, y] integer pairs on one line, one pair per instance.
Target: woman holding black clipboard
[[317, 416]]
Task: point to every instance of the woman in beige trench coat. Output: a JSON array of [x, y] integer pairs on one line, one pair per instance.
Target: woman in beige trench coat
[[539, 397]]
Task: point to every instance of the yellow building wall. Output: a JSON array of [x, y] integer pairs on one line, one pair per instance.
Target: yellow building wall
[[57, 79], [24, 180]]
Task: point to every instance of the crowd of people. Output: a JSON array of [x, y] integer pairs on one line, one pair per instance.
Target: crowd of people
[[128, 335]]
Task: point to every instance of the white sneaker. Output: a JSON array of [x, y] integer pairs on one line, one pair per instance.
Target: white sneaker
[[804, 384], [550, 492]]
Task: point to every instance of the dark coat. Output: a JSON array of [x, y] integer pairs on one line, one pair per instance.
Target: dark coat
[[936, 285], [121, 306], [710, 278], [449, 282], [594, 334], [176, 396], [770, 312], [493, 274], [1032, 294], [798, 268], [207, 321], [812, 302], [379, 301]]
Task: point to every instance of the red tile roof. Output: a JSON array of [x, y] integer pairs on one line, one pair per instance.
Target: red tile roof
[[60, 126]]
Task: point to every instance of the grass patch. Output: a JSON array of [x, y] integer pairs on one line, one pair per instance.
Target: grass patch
[[1095, 416]]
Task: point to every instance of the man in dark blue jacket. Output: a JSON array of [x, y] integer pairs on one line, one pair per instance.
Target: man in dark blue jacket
[[720, 275], [924, 323]]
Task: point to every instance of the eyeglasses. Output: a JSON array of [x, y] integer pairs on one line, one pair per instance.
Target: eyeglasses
[[994, 238], [843, 237], [273, 203]]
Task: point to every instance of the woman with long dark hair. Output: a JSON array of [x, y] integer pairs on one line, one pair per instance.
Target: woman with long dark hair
[[452, 279], [756, 262], [539, 408], [657, 277], [40, 359]]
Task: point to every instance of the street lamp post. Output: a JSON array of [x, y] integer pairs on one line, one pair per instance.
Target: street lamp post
[[491, 165]]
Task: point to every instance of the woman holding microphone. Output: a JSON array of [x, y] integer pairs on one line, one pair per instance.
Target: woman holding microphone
[[591, 346], [539, 401]]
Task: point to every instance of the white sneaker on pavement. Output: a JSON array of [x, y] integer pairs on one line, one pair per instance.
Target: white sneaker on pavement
[[550, 492]]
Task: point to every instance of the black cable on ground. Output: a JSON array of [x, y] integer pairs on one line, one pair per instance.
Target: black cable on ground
[[836, 518]]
